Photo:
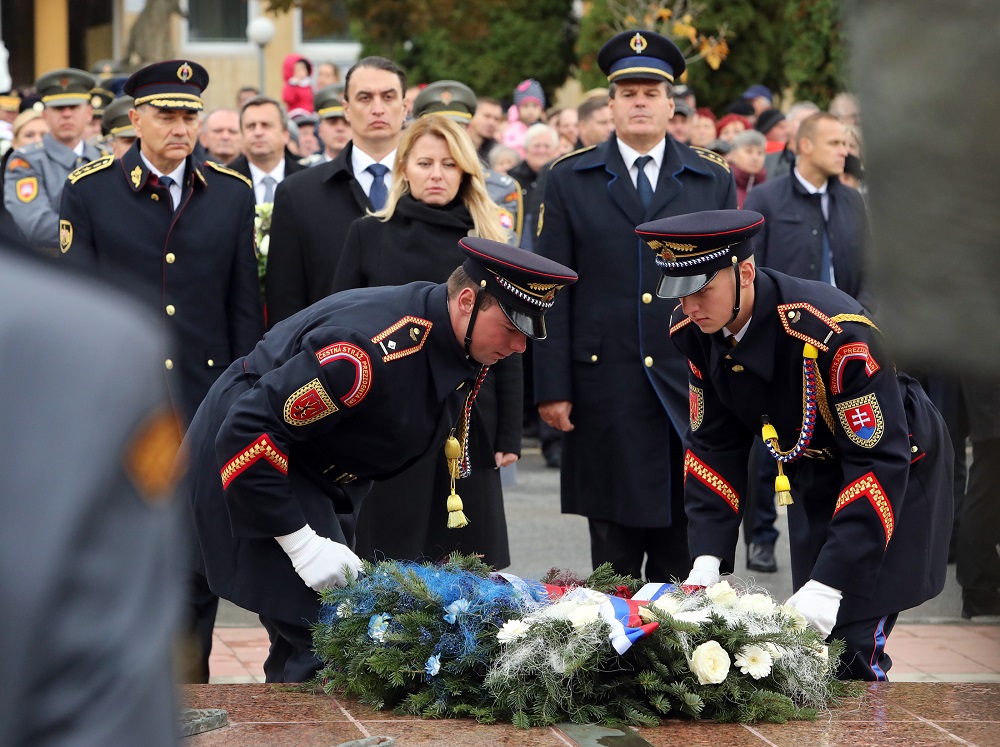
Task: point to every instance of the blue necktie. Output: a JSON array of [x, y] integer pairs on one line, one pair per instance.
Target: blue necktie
[[166, 182], [642, 185], [268, 182], [378, 193], [826, 260]]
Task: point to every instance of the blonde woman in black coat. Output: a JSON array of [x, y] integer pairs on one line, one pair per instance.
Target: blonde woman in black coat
[[438, 195]]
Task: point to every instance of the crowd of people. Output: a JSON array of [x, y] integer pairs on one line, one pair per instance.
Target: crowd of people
[[284, 364]]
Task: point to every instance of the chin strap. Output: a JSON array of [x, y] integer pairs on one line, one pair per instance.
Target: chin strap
[[736, 301], [472, 321]]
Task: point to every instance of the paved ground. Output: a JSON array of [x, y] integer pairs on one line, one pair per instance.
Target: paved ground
[[931, 642]]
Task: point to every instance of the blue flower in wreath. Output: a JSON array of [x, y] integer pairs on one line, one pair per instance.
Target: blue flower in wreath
[[456, 608], [433, 665], [377, 627]]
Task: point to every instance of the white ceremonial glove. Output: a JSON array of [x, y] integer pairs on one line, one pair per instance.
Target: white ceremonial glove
[[819, 605], [319, 561], [704, 571]]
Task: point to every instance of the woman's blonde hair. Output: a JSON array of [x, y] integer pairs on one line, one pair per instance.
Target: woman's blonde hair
[[472, 190]]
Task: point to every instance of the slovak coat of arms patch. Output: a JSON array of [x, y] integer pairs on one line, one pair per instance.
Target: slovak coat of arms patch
[[862, 421]]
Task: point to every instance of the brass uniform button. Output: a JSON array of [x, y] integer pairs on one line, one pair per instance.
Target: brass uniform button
[[593, 358], [154, 197], [737, 368], [170, 309], [211, 362], [914, 449], [647, 298], [169, 364], [648, 361], [170, 258]]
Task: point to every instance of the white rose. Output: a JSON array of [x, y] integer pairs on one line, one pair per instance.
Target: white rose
[[797, 619], [710, 663], [755, 604], [512, 630], [722, 594], [582, 615], [667, 605], [755, 661], [774, 650], [262, 249]]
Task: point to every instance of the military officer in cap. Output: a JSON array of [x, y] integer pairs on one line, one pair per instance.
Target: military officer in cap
[[36, 174], [100, 98], [119, 133], [455, 100], [333, 130], [610, 378], [353, 389], [175, 231], [864, 460]]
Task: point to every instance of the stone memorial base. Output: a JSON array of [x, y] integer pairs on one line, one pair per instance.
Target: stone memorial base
[[905, 713]]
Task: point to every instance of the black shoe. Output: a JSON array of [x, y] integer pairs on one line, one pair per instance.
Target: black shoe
[[980, 603], [760, 558]]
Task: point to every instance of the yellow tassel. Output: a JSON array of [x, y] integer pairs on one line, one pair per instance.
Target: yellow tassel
[[810, 351], [453, 453], [456, 516], [782, 488], [768, 433]]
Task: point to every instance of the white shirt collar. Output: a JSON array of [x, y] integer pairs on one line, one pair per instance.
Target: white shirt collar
[[277, 173], [177, 174], [361, 160], [726, 334], [629, 154], [808, 186]]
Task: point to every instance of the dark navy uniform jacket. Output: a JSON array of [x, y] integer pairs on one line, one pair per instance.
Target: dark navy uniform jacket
[[354, 388], [872, 503], [607, 350], [195, 266]]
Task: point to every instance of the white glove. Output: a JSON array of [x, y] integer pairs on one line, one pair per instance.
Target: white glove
[[818, 604], [704, 572], [319, 561]]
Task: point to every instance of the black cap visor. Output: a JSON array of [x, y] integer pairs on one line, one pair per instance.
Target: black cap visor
[[682, 285], [533, 325]]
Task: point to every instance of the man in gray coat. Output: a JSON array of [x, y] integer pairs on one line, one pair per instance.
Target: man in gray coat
[[36, 173]]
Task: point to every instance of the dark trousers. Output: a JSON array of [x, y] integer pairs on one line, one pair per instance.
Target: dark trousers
[[291, 657], [979, 526], [202, 606], [665, 549], [865, 657], [761, 517]]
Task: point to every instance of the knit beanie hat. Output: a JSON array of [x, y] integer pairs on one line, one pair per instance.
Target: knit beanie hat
[[732, 118], [529, 89], [768, 119]]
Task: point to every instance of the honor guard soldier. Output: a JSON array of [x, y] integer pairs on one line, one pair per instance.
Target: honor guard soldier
[[864, 460], [36, 174], [175, 231], [119, 134], [456, 101], [353, 389]]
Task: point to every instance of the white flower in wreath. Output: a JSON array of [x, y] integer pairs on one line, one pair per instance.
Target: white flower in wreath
[[722, 594], [797, 619], [774, 650], [710, 663], [755, 604], [754, 660], [665, 605], [513, 630], [694, 616], [582, 615]]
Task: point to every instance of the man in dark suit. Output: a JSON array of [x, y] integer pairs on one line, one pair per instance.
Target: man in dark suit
[[864, 459], [89, 524], [313, 209], [816, 228], [609, 377], [266, 160]]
